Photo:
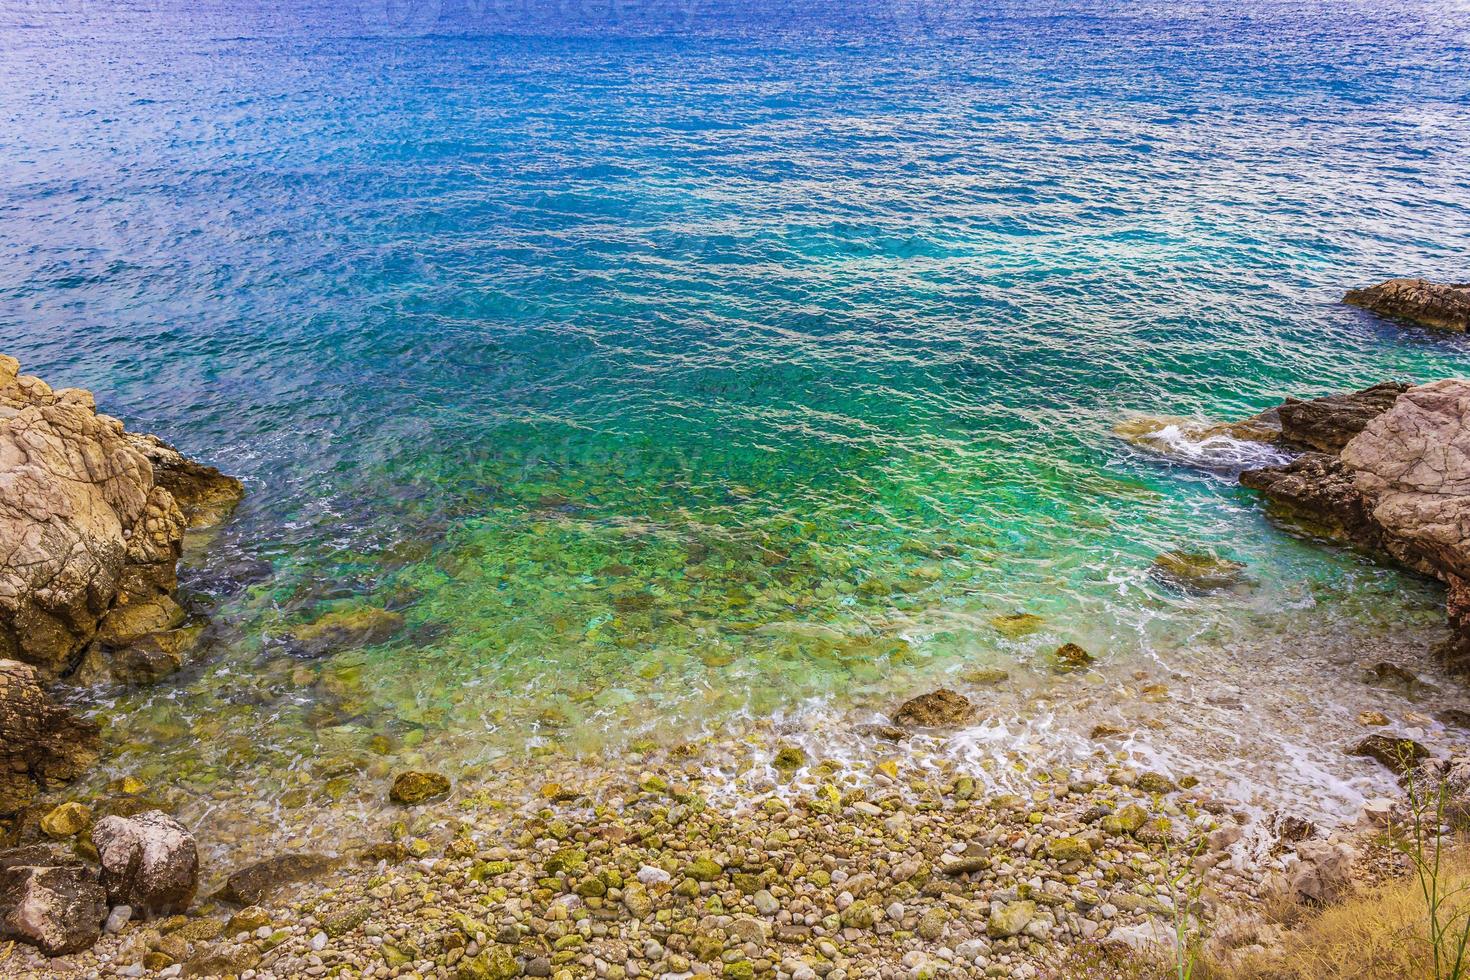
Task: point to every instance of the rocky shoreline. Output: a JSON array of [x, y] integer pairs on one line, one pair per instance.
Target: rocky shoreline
[[746, 854]]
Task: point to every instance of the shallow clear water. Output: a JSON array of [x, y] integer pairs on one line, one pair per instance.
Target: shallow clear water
[[669, 363]]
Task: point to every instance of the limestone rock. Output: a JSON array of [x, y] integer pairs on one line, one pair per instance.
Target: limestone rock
[[938, 709], [1399, 487], [1432, 304], [1323, 871], [1009, 918], [41, 743], [90, 530], [149, 861], [58, 909], [1413, 464]]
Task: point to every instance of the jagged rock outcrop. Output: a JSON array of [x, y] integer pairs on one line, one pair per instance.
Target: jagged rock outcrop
[[1329, 423], [41, 743], [1442, 305], [1386, 469], [92, 520], [1400, 485]]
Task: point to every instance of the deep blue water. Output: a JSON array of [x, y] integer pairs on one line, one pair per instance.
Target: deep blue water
[[720, 354]]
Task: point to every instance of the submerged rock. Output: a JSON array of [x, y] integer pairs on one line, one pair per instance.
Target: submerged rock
[[1016, 625], [1431, 304], [412, 788], [1070, 656], [149, 861], [254, 883], [57, 909], [939, 709], [41, 743], [1196, 571], [90, 527], [360, 626]]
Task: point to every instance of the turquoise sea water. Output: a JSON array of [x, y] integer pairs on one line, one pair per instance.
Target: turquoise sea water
[[661, 364]]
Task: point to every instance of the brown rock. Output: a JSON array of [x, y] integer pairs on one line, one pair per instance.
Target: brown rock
[[413, 788], [253, 883], [56, 909], [1320, 489], [1442, 305], [939, 709], [41, 743], [1329, 423], [1398, 754]]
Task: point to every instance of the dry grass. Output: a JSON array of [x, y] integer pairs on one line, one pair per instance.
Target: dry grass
[[1380, 934], [1094, 961]]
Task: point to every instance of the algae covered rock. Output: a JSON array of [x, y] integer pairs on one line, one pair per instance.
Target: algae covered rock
[[344, 628], [1070, 656], [938, 709], [1009, 918], [1196, 571], [1016, 625], [1068, 849], [788, 759], [413, 787], [66, 820]]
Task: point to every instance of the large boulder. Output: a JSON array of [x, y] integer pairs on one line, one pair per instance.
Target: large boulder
[[41, 743], [149, 861], [58, 909], [92, 521], [1432, 304]]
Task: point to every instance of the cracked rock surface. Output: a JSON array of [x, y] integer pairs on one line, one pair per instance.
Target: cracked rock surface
[[92, 520]]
